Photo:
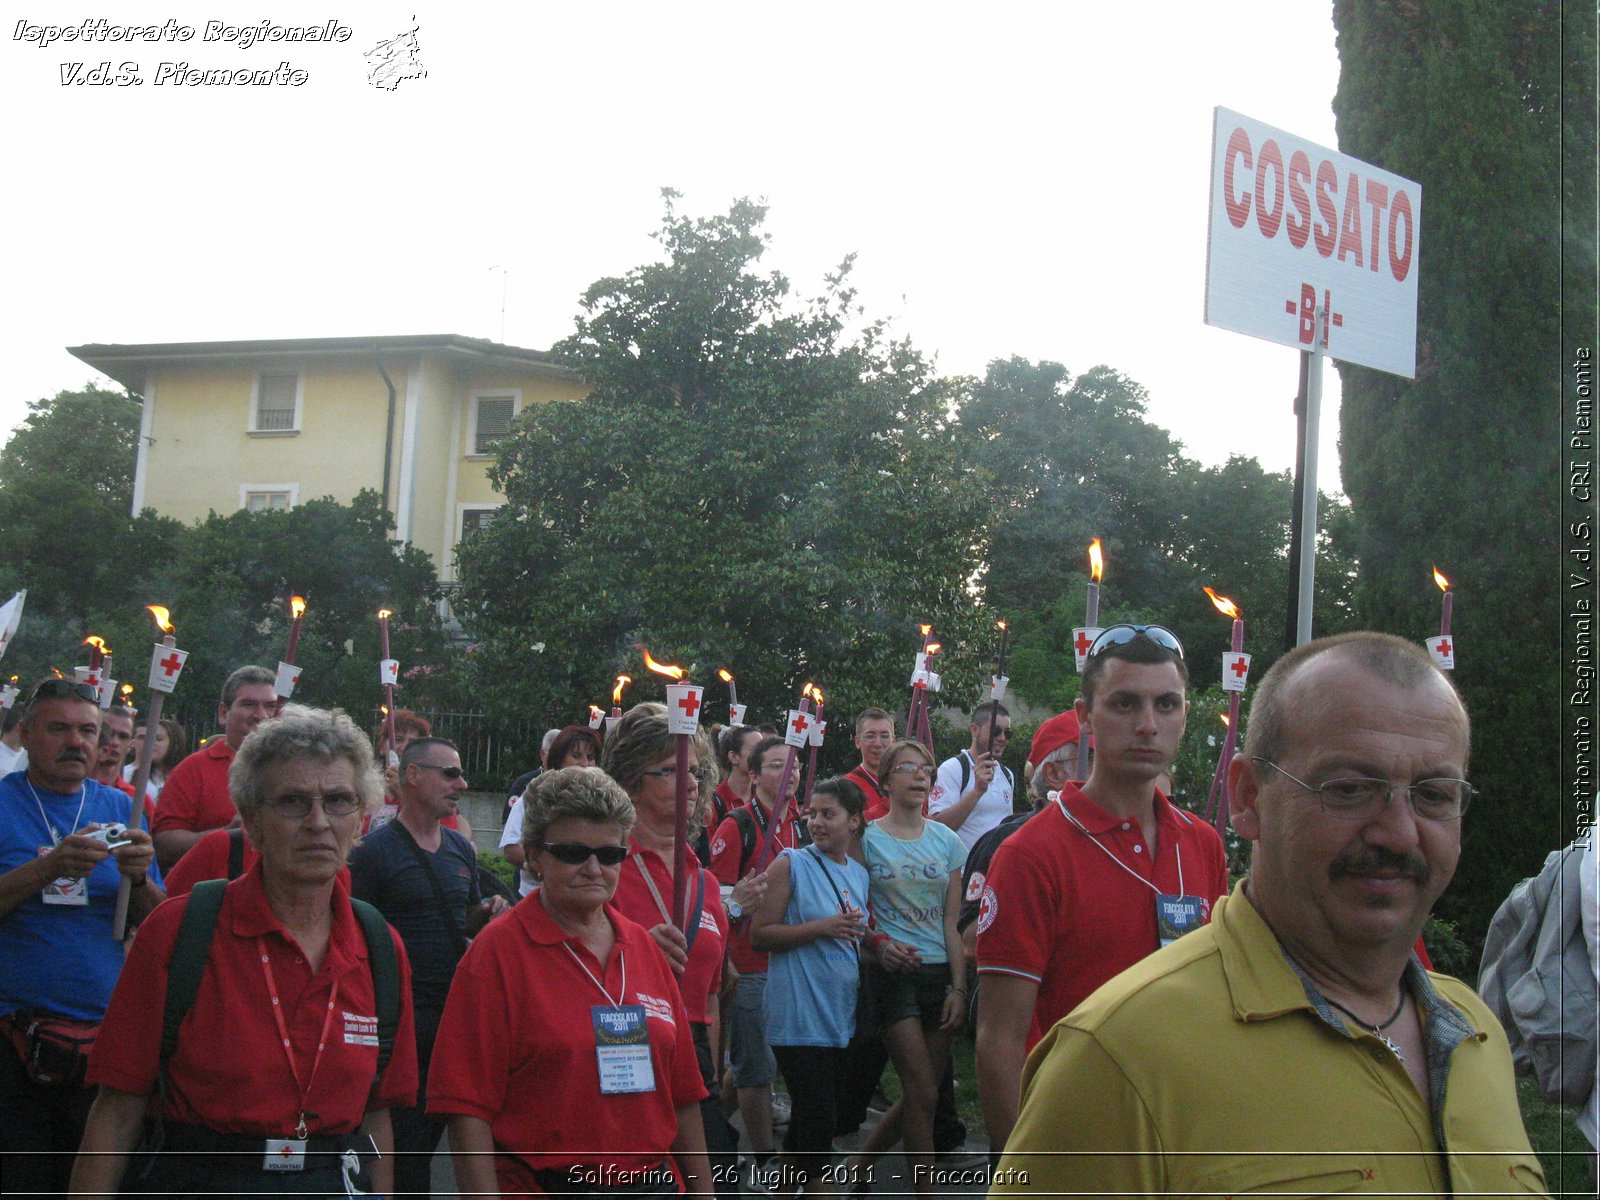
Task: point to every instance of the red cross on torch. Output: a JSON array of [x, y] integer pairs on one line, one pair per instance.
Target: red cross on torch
[[688, 704], [1218, 815]]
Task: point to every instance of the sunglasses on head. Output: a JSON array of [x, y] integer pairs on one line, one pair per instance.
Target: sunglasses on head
[[57, 689], [576, 853], [1121, 635]]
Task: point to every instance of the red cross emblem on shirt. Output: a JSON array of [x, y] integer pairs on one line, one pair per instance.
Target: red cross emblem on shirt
[[1083, 643], [690, 703], [171, 664], [1444, 647], [800, 724], [1240, 667]]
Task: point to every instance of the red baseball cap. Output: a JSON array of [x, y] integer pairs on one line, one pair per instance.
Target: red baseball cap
[[1052, 735]]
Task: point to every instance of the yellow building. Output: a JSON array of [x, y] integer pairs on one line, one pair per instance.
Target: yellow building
[[269, 424]]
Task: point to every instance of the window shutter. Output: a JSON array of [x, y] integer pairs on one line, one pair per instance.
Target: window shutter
[[275, 402], [494, 422]]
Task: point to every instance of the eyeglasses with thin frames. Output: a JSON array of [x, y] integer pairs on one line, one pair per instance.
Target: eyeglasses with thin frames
[[298, 807], [699, 773], [1360, 797]]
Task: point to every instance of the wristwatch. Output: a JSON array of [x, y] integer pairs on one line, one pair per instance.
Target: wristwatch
[[735, 909]]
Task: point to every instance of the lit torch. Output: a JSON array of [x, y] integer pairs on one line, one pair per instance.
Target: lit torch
[[735, 711], [388, 674], [816, 743], [1442, 648], [1097, 569], [1235, 671], [796, 723], [998, 688], [297, 609], [166, 664], [683, 722]]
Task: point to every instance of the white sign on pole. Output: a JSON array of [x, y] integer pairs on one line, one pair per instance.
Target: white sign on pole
[[1297, 229]]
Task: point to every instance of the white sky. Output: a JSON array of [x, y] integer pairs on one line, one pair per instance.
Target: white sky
[[1015, 178]]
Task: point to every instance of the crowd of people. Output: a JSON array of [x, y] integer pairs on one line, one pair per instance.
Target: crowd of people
[[334, 982]]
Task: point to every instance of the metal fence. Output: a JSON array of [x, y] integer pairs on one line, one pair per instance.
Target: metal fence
[[493, 753]]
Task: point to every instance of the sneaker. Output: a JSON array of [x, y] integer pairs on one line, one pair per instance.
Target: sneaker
[[781, 1110]]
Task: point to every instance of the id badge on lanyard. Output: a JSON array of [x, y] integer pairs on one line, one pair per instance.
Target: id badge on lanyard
[[65, 890], [1176, 916], [622, 1049]]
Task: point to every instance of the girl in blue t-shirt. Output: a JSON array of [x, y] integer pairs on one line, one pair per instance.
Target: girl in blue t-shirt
[[916, 988], [812, 920]]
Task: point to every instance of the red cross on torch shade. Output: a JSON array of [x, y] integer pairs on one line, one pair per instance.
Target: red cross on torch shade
[[171, 665], [1444, 648], [690, 705], [800, 724], [1240, 667], [1083, 643]]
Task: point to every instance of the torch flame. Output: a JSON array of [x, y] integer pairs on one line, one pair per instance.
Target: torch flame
[[56, 671], [385, 613], [297, 606], [1224, 606], [724, 674], [384, 709], [926, 629], [1224, 717], [616, 692], [1444, 584], [808, 689], [999, 624], [595, 710], [1097, 562], [661, 668], [933, 648], [126, 689], [816, 694], [98, 643], [163, 617]]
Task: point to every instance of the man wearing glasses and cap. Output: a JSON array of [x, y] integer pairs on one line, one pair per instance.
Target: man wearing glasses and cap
[[1296, 1044], [423, 878], [1107, 874], [65, 848]]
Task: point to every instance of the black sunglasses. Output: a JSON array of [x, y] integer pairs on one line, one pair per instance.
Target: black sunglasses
[[57, 689], [451, 773], [576, 853], [1121, 635]]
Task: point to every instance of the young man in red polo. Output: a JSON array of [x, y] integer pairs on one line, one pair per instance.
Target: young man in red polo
[[874, 735], [1105, 875]]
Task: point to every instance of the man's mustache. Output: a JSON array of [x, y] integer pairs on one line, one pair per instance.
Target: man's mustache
[[1375, 860], [72, 756]]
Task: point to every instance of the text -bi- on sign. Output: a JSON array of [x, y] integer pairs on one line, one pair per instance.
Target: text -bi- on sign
[[1296, 228]]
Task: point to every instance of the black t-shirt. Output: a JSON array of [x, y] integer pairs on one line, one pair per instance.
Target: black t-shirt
[[384, 871]]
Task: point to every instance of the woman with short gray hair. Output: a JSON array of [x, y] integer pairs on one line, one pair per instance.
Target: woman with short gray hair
[[601, 1092]]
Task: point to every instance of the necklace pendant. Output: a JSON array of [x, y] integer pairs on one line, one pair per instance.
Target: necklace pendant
[[1394, 1047]]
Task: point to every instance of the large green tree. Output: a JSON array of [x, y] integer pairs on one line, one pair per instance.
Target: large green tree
[[749, 484], [1461, 466], [66, 492]]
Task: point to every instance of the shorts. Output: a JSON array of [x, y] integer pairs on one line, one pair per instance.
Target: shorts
[[753, 1063], [892, 996]]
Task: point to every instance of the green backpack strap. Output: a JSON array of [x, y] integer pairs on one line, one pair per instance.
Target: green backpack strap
[[385, 965], [189, 955]]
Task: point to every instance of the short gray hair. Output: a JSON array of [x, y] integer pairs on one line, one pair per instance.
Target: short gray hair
[[301, 732], [243, 677], [1064, 755], [583, 793]]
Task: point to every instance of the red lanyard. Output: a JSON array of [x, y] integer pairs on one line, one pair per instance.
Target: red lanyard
[[283, 1034]]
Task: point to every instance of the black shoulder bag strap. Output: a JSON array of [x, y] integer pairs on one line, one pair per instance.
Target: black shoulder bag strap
[[385, 967], [421, 856], [837, 894], [235, 853]]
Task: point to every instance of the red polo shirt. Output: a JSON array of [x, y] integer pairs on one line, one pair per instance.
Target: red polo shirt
[[703, 976], [516, 1048], [1070, 907], [208, 859], [195, 796], [877, 802], [230, 1072], [726, 801], [726, 849]]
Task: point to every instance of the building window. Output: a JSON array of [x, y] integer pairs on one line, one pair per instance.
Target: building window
[[475, 518], [268, 497], [276, 405], [491, 419]]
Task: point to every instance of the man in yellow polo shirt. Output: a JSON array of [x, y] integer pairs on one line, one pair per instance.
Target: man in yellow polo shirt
[[1294, 1045]]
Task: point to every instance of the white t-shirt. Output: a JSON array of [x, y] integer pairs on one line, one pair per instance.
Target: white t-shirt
[[12, 760], [511, 835], [993, 806]]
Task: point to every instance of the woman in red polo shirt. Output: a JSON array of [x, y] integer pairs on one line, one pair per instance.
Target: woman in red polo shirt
[[564, 1060], [274, 1076], [642, 756]]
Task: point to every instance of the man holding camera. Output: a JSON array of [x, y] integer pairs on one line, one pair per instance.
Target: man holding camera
[[65, 847]]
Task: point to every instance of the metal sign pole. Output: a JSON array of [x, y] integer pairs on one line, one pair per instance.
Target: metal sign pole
[[1308, 496]]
